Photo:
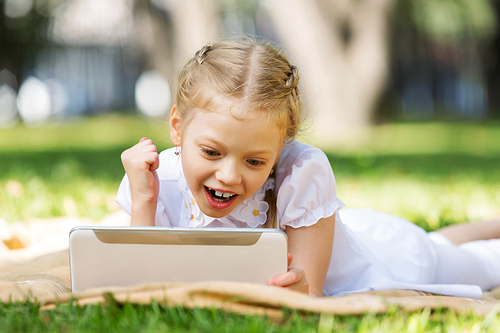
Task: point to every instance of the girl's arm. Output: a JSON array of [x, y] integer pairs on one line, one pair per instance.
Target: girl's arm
[[140, 163], [311, 250], [467, 232]]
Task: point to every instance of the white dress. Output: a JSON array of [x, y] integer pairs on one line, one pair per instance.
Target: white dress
[[371, 250]]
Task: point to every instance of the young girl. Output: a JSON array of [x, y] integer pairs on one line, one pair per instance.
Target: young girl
[[236, 164]]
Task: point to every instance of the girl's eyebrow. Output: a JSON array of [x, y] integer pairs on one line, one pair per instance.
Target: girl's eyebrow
[[263, 151]]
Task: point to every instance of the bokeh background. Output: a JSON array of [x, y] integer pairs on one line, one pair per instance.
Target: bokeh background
[[403, 95], [361, 61]]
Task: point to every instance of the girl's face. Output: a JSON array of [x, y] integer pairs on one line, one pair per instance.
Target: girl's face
[[225, 159]]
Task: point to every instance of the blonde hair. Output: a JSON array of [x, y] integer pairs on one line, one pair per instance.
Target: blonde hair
[[253, 73]]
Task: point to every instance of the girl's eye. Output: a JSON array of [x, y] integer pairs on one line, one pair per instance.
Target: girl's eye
[[255, 162], [210, 152]]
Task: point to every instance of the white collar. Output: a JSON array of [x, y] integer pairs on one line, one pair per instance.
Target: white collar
[[252, 211]]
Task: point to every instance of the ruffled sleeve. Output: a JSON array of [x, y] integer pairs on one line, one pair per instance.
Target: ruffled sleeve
[[306, 188], [123, 196]]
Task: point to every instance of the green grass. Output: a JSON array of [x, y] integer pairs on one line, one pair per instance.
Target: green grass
[[432, 174], [16, 317], [141, 318], [431, 190], [70, 168]]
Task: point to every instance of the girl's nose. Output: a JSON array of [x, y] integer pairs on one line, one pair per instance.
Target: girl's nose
[[228, 173]]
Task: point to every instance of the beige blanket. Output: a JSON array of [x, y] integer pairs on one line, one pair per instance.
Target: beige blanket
[[46, 279]]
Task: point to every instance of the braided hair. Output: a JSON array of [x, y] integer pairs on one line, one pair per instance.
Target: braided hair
[[257, 75]]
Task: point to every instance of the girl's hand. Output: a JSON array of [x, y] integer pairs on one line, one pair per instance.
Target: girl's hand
[[312, 250], [140, 163], [294, 278]]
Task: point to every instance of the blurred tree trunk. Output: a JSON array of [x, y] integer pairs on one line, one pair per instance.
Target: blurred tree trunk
[[179, 32], [341, 49], [196, 23]]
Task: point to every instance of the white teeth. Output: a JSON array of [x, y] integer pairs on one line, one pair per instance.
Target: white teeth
[[221, 194]]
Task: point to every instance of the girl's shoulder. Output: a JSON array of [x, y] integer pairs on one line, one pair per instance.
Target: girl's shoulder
[[296, 148], [305, 186], [300, 157]]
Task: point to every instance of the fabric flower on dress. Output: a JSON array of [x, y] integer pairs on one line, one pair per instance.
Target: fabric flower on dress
[[268, 185], [195, 216], [254, 214]]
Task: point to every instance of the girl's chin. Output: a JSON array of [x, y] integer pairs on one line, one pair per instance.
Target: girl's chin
[[216, 216], [215, 213]]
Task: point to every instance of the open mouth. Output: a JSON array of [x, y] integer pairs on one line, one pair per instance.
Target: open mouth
[[220, 196]]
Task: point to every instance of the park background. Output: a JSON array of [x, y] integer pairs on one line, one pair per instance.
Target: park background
[[361, 62], [403, 96]]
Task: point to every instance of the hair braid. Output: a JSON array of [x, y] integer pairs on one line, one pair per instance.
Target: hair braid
[[272, 213], [253, 73]]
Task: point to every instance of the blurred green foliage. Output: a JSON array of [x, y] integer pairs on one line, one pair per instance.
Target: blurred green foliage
[[443, 20]]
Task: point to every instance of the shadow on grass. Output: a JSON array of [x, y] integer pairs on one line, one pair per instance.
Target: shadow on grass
[[59, 166], [105, 165], [419, 166]]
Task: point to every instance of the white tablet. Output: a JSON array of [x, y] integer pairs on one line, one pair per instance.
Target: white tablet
[[121, 256]]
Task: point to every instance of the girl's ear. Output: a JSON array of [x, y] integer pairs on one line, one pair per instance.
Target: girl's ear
[[175, 126]]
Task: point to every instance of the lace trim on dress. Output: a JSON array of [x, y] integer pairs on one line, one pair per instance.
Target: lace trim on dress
[[313, 216], [252, 211]]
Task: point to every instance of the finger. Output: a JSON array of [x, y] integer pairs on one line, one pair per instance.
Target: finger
[[155, 162], [144, 146], [293, 276], [290, 259], [144, 141]]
